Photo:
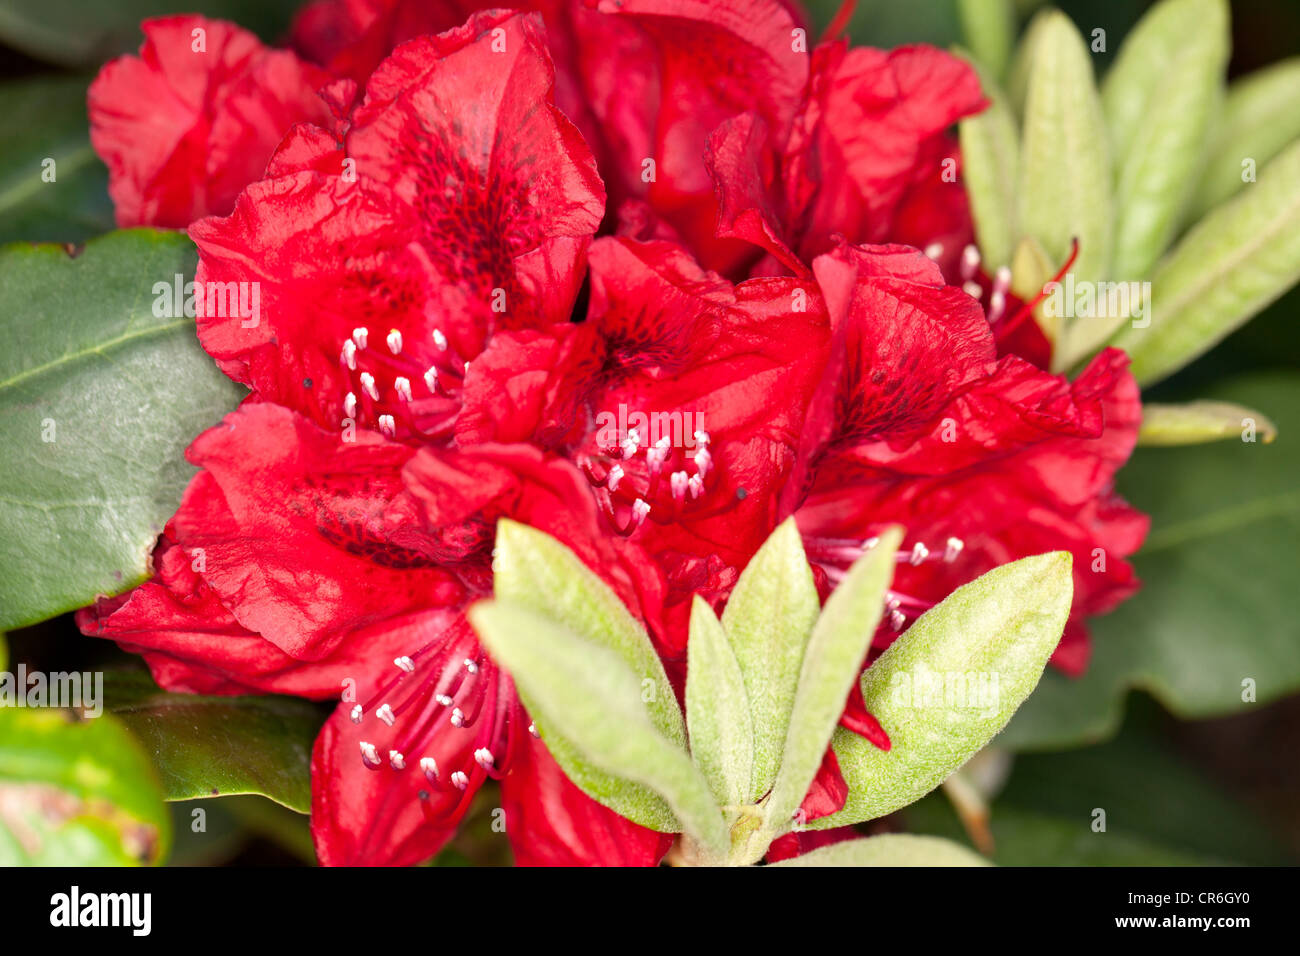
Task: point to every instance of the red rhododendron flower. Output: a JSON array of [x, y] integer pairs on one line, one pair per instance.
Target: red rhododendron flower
[[192, 121], [983, 460], [471, 207], [864, 159], [301, 563], [748, 351], [678, 396]]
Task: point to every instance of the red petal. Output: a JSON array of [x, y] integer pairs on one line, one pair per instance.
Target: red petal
[[183, 130], [552, 823]]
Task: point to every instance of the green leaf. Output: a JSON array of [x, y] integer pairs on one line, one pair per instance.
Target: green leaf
[[1217, 574], [76, 793], [98, 400], [1258, 120], [45, 119], [216, 746], [990, 149], [1156, 808], [1192, 423], [985, 645], [578, 690], [768, 618], [534, 570], [1017, 79], [717, 709], [1065, 175], [1159, 97], [75, 33], [989, 27], [832, 662], [1233, 263], [890, 849]]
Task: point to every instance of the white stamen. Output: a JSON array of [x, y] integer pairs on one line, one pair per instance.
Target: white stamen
[[896, 620], [405, 663], [356, 714], [402, 385], [970, 262], [1002, 278], [639, 511], [631, 443], [614, 477], [350, 405], [657, 454], [349, 356], [997, 304], [471, 666], [460, 780], [972, 289], [387, 425], [439, 340], [361, 335], [431, 378], [870, 543], [457, 717], [484, 758], [701, 438], [443, 699], [396, 760], [953, 549], [385, 713], [695, 486], [368, 753], [395, 342], [934, 250], [703, 462], [678, 480], [368, 383], [430, 768], [919, 553], [532, 729]]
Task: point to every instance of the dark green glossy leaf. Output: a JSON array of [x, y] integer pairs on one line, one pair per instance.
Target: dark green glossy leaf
[[1218, 572], [76, 33], [1159, 811], [43, 120], [214, 746], [98, 400]]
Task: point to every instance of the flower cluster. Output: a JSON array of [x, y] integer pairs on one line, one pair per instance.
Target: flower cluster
[[648, 275]]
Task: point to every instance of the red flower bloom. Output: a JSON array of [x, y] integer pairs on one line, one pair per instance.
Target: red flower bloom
[[193, 120], [983, 460], [864, 159], [680, 398], [471, 208], [300, 563]]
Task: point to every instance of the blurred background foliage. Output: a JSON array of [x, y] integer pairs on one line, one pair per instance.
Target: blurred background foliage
[[1185, 772]]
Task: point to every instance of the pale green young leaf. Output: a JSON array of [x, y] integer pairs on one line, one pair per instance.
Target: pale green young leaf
[[534, 570], [990, 149], [890, 849], [1017, 76], [1259, 118], [1192, 423], [989, 27], [836, 651], [1065, 172], [951, 682], [717, 709], [1159, 98], [768, 618], [1231, 265], [582, 693]]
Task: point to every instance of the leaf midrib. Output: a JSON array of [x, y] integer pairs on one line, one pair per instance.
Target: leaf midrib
[[102, 349]]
